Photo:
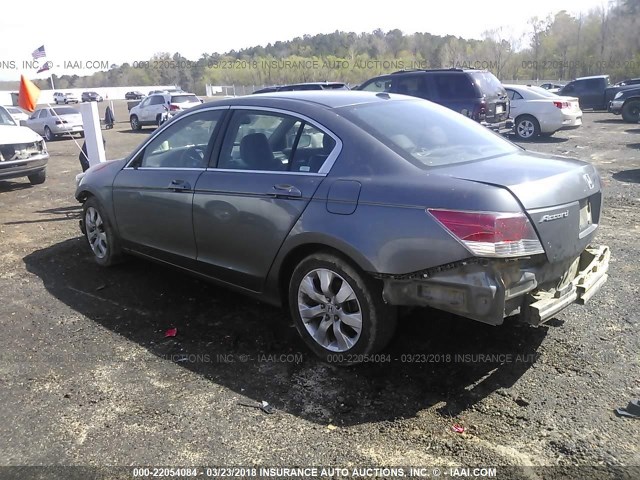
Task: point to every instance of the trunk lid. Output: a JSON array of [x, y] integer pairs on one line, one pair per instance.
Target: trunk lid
[[561, 196]]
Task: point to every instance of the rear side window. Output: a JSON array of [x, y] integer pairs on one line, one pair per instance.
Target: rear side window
[[414, 85], [454, 87], [267, 141], [594, 84], [513, 95]]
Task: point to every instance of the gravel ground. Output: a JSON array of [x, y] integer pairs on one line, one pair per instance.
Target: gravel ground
[[87, 377]]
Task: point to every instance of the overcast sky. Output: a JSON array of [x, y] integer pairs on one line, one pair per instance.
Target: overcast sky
[[118, 31]]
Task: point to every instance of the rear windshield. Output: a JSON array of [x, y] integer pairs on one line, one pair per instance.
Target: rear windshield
[[488, 83], [65, 111], [335, 86], [425, 134], [5, 118], [542, 92], [184, 99]]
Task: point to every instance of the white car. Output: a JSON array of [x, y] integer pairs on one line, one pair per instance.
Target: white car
[[536, 111], [16, 113], [152, 110], [56, 121], [23, 153], [65, 98]]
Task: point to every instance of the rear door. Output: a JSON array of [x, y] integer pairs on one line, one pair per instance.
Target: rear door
[[494, 95], [153, 194], [270, 164], [455, 91]]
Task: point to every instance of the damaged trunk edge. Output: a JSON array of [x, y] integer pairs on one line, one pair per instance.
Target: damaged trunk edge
[[488, 290]]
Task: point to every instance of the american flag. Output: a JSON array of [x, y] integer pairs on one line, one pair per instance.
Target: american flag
[[39, 52]]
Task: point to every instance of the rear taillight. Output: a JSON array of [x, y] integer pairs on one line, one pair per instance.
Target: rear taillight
[[491, 234], [561, 104], [60, 122], [173, 107], [480, 112]]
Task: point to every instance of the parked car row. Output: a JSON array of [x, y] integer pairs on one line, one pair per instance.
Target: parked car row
[[524, 111], [66, 98]]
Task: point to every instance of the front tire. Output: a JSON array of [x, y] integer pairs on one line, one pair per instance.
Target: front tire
[[631, 111], [38, 177], [339, 311], [103, 242], [527, 127]]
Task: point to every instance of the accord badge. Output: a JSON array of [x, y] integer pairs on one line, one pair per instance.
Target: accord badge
[[555, 216]]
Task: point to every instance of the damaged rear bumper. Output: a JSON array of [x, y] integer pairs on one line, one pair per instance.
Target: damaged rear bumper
[[490, 290]]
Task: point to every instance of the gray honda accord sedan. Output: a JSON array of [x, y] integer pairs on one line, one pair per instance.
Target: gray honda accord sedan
[[345, 205]]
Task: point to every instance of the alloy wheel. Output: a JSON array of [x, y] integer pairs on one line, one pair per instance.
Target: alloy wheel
[[95, 232], [525, 129], [330, 310]]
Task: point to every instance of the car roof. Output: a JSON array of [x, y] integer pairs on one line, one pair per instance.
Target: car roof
[[324, 98], [441, 70], [592, 76]]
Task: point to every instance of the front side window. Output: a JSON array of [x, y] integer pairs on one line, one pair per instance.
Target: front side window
[[379, 85], [267, 141], [182, 145]]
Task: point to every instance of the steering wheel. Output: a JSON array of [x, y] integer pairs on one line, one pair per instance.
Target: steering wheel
[[192, 157]]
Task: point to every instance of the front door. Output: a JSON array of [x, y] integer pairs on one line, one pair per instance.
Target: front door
[[153, 195]]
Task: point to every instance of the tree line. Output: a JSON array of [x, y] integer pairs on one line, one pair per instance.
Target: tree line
[[559, 47]]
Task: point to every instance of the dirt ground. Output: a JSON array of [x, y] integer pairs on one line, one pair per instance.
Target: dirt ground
[[87, 377]]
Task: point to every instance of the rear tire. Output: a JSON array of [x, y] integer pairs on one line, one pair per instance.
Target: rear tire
[[339, 311], [631, 111], [38, 177], [48, 134], [526, 127], [102, 239]]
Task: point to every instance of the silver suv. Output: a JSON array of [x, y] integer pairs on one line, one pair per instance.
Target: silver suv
[[152, 110], [60, 97]]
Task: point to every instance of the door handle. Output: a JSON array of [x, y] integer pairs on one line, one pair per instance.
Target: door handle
[[286, 190], [179, 185]]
